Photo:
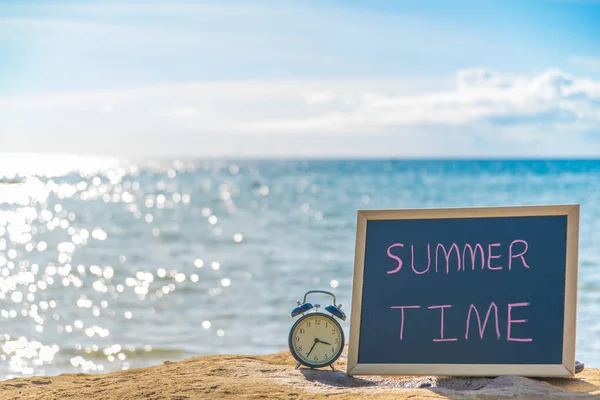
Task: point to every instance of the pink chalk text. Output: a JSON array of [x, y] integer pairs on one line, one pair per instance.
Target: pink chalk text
[[402, 319], [452, 257], [520, 255], [390, 255], [515, 321], [471, 314], [485, 321], [441, 338]]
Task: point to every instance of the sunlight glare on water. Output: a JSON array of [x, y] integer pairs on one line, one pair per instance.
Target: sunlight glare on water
[[51, 165], [111, 264]]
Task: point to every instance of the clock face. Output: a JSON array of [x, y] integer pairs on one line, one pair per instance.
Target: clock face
[[316, 340]]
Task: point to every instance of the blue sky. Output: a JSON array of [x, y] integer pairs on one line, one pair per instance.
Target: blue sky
[[303, 78]]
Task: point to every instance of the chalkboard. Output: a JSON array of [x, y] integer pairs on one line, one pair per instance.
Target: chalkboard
[[466, 291]]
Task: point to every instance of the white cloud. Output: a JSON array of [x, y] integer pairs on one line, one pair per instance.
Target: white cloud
[[589, 63], [204, 118]]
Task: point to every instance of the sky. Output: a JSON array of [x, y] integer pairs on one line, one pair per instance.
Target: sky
[[413, 78]]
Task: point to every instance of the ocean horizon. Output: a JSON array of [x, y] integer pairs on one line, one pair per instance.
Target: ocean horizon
[[109, 263]]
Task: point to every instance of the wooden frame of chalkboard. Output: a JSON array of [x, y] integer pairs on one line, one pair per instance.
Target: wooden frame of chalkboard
[[565, 368]]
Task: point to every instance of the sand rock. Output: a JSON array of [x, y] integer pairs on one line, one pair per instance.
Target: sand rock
[[273, 377]]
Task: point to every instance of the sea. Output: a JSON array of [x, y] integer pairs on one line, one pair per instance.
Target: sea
[[110, 264]]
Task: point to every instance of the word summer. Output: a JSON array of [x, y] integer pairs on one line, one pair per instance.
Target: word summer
[[442, 256], [473, 320]]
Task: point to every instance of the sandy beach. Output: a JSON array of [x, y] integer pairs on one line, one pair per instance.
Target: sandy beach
[[273, 377]]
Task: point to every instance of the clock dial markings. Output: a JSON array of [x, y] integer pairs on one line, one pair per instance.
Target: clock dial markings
[[316, 334]]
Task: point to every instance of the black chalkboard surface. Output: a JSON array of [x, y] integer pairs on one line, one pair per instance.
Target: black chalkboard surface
[[478, 291]]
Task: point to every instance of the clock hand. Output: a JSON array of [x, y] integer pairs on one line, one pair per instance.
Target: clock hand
[[328, 344], [313, 346]]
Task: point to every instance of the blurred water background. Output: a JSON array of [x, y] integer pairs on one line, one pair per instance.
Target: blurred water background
[[110, 264]]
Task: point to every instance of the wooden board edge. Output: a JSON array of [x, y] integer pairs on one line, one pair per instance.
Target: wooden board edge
[[570, 312], [469, 212], [530, 370], [566, 369], [357, 286], [350, 369]]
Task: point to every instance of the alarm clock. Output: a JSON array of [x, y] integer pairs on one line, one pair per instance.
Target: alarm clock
[[316, 339]]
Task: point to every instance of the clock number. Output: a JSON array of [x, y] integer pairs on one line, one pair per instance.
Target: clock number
[[326, 357], [300, 348], [316, 358], [301, 330], [326, 325], [333, 331], [332, 350], [318, 322], [297, 338], [308, 324], [337, 341]]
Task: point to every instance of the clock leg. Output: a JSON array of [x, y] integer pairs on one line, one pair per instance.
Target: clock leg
[[297, 365], [332, 367]]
